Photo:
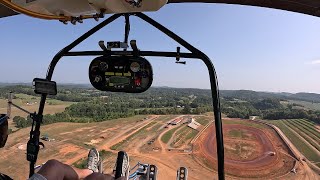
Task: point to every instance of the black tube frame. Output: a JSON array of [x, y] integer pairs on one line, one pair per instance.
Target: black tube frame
[[195, 54]]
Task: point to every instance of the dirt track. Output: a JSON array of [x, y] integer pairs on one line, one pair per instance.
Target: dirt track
[[264, 142]]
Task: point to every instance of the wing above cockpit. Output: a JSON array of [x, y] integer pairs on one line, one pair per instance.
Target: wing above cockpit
[[5, 12], [310, 7]]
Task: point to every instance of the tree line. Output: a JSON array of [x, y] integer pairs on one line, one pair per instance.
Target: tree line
[[95, 106]]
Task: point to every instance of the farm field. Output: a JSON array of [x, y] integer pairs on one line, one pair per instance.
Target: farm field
[[304, 135], [308, 105], [31, 104]]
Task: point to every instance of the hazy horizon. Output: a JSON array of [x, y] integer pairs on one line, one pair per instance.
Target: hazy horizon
[[155, 86]]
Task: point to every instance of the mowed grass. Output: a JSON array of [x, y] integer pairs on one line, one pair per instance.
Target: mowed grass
[[167, 136], [182, 136], [308, 127], [203, 120], [300, 145], [303, 132]]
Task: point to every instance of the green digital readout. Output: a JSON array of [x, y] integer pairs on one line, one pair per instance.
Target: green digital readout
[[118, 80]]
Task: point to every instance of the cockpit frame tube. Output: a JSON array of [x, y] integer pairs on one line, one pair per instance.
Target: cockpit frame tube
[[195, 54]]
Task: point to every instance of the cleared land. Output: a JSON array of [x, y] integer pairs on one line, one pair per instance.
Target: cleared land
[[72, 141], [248, 147]]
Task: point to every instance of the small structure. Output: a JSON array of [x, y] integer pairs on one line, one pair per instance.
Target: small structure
[[176, 121], [194, 124]]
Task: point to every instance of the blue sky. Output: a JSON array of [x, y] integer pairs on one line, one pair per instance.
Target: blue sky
[[252, 48]]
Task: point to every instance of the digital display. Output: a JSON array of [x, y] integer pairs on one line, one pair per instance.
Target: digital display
[[121, 74], [118, 80], [43, 86]]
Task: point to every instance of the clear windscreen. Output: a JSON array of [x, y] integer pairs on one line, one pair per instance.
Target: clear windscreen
[[267, 64]]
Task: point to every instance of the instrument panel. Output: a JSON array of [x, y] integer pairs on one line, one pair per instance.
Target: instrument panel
[[121, 74]]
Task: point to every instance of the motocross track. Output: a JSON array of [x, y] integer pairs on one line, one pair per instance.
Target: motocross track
[[254, 161], [263, 142]]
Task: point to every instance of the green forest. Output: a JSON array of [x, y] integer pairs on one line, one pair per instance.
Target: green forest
[[95, 106]]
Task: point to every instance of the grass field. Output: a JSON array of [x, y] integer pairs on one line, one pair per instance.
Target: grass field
[[299, 144], [307, 127], [314, 141], [182, 136], [203, 120], [23, 99], [31, 103], [167, 136], [308, 105], [310, 128]]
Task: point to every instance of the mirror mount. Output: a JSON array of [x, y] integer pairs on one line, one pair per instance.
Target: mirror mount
[[178, 57], [133, 44]]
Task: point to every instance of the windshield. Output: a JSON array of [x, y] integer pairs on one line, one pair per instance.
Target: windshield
[[267, 63]]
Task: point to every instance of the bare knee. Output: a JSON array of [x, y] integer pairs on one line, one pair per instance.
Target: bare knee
[[99, 176], [52, 164], [51, 169]]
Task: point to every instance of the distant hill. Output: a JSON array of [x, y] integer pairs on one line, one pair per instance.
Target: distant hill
[[253, 95], [247, 95], [310, 97]]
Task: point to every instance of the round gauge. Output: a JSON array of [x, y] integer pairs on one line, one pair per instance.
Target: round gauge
[[103, 66], [97, 79], [135, 67]]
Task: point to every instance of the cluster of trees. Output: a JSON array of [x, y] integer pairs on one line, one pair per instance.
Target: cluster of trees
[[270, 108], [97, 106], [293, 114]]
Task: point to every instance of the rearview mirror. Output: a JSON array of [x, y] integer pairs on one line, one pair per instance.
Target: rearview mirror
[[121, 74]]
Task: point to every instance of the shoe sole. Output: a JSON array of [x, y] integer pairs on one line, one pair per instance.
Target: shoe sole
[[96, 153], [119, 166]]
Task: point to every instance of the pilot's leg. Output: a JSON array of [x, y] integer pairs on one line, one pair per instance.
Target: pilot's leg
[[55, 170], [99, 176]]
